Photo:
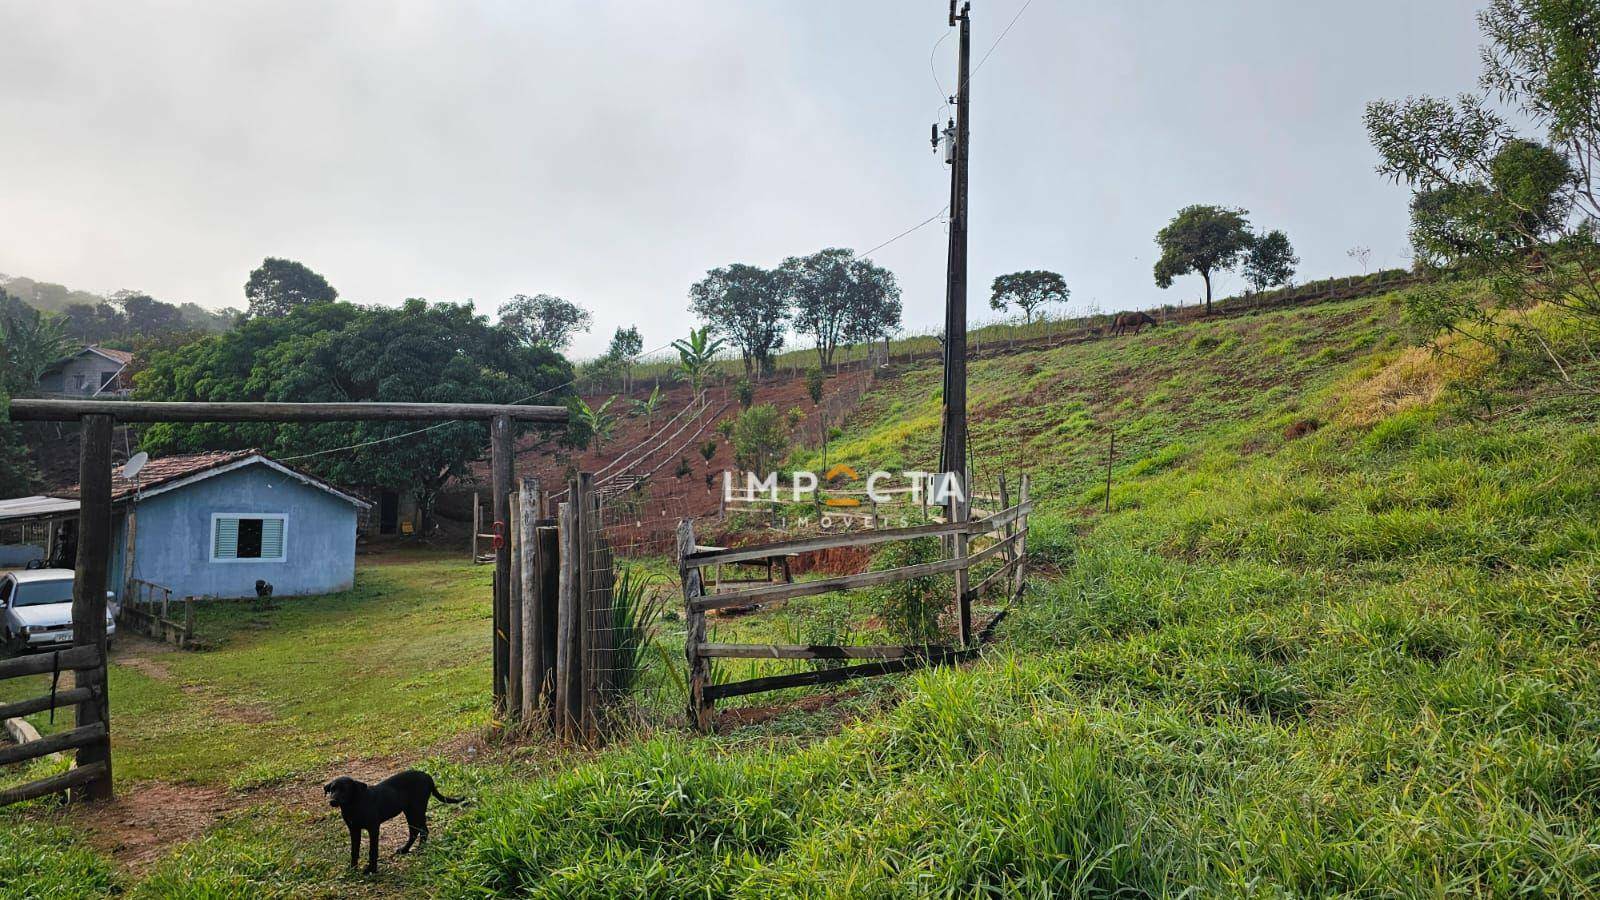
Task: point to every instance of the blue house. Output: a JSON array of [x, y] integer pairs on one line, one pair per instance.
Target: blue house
[[213, 524]]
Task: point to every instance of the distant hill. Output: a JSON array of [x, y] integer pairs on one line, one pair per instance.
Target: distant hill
[[99, 318], [44, 296]]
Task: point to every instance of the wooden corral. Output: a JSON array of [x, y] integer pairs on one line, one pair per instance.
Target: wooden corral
[[1006, 527]]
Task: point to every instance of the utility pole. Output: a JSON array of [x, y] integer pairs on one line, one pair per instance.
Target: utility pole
[[953, 450]]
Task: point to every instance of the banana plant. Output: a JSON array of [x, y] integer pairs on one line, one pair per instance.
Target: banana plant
[[695, 356], [649, 406], [600, 421]]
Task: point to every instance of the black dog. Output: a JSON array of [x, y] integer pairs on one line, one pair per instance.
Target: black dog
[[365, 807]]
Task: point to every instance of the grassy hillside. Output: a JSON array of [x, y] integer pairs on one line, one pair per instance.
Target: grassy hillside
[[1336, 637]]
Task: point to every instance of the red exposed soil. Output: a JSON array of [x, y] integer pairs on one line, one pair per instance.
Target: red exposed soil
[[741, 716], [668, 496]]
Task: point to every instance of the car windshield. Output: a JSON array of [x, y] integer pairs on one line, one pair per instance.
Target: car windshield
[[40, 593]]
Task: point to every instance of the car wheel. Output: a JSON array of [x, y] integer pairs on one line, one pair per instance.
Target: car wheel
[[12, 646]]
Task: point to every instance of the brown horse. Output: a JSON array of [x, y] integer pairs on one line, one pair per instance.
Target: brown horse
[[1135, 320]]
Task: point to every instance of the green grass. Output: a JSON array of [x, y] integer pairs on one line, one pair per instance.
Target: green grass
[[395, 664], [1360, 662]]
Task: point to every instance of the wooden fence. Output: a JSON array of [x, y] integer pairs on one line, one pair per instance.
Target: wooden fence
[[1007, 527], [147, 609], [91, 737], [562, 641]]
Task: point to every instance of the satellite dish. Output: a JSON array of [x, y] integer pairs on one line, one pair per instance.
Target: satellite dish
[[135, 463]]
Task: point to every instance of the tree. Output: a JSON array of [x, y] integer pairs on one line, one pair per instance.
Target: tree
[[747, 305], [837, 298], [626, 345], [1028, 290], [814, 383], [1491, 203], [1202, 240], [1270, 261], [759, 438], [143, 314], [419, 352], [695, 356], [544, 320], [29, 342], [17, 474], [278, 287]]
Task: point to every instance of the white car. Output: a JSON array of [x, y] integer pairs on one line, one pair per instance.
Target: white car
[[36, 609]]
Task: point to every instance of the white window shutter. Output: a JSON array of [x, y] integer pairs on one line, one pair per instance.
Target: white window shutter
[[226, 539], [272, 539]]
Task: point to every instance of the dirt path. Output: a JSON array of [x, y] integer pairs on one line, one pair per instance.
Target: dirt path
[[138, 653]]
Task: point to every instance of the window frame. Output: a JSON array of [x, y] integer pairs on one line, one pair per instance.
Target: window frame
[[211, 547]]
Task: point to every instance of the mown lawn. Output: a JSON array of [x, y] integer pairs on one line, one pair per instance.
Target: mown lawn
[[397, 664]]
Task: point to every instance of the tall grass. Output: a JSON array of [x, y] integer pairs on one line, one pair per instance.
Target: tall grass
[[637, 599]]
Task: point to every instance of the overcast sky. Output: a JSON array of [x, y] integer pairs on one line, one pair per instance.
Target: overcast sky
[[612, 152]]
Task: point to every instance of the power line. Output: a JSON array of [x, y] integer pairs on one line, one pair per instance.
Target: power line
[[902, 234], [945, 103], [634, 358]]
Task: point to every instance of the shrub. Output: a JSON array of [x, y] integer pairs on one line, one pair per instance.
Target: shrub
[[911, 609], [746, 392], [708, 450], [794, 417], [814, 384], [759, 438]]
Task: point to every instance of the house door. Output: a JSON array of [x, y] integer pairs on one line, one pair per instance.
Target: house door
[[388, 512]]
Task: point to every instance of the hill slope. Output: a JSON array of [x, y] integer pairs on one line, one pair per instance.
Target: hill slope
[[1354, 659]]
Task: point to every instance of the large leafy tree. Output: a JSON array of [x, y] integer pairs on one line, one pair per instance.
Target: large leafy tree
[[749, 306], [425, 352], [278, 287], [1028, 291], [1202, 240], [1270, 261], [837, 298], [1518, 211], [29, 342], [544, 320]]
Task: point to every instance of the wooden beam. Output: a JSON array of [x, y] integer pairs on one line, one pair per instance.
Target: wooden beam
[[70, 659], [816, 651], [144, 411], [776, 592], [828, 676], [75, 778], [89, 591], [40, 704], [826, 542], [83, 736]]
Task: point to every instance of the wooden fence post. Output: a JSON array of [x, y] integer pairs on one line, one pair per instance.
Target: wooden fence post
[[566, 700], [585, 521], [960, 506], [549, 614], [1018, 575], [530, 673], [89, 593], [699, 670], [500, 464], [514, 659], [477, 523]]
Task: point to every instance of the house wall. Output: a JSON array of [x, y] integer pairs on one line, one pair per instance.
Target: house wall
[[65, 381], [13, 555], [172, 535]]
